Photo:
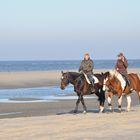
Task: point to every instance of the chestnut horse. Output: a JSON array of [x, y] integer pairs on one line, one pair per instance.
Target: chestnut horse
[[114, 87], [82, 87]]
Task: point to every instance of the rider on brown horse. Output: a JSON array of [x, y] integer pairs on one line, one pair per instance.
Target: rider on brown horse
[[87, 67], [121, 67]]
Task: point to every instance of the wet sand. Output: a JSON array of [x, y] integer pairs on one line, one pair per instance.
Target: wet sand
[[14, 110]]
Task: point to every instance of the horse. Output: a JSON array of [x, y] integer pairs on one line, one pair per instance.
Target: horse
[[82, 87], [114, 84]]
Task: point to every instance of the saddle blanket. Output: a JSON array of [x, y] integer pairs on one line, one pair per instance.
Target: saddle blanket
[[120, 78], [94, 77]]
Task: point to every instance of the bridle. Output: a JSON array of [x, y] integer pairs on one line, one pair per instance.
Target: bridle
[[110, 87]]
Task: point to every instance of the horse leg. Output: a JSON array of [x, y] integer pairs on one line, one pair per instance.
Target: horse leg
[[84, 106], [109, 99], [128, 103], [102, 101], [110, 104], [120, 103], [138, 92], [77, 104], [101, 107]]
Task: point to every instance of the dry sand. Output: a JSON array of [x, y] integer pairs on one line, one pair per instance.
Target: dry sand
[[91, 126], [54, 121], [29, 79], [35, 79]]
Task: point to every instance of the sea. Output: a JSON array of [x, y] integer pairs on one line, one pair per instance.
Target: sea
[[47, 94], [17, 66]]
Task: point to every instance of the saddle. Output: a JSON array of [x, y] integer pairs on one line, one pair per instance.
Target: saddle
[[124, 81], [120, 78], [95, 79], [128, 82]]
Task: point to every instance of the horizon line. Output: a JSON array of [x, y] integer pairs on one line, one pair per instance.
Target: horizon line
[[63, 59]]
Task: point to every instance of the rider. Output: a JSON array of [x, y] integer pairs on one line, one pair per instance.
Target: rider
[[87, 67], [121, 67]]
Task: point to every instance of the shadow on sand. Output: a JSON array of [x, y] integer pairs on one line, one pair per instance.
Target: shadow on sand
[[107, 111]]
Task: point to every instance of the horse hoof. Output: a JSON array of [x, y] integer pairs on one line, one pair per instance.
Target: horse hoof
[[111, 111], [84, 112], [75, 111], [101, 112], [119, 111], [127, 110]]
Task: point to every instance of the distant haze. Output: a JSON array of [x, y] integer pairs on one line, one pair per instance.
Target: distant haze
[[66, 29]]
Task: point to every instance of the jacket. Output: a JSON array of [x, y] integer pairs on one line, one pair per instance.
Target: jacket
[[87, 66], [121, 66]]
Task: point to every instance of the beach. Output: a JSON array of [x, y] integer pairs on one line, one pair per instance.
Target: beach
[[42, 40], [37, 78], [73, 127], [29, 79], [56, 120]]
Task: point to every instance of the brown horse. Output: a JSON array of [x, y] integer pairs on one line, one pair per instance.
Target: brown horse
[[82, 87], [114, 85]]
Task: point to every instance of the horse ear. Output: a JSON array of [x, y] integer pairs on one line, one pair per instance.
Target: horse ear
[[62, 72], [102, 73]]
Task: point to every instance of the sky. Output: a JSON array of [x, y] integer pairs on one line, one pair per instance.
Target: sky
[[66, 29]]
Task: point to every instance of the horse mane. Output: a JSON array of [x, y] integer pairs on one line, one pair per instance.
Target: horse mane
[[114, 73], [106, 74], [113, 78], [73, 75]]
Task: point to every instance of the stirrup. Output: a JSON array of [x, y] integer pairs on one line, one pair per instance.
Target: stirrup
[[93, 89]]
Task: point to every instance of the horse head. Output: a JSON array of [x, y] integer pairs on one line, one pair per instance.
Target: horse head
[[105, 75], [64, 80], [68, 78], [109, 79]]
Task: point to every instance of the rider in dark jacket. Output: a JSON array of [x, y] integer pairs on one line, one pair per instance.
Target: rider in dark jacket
[[87, 67], [121, 67]]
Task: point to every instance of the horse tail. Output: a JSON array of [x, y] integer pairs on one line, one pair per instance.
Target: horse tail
[[136, 83], [139, 87]]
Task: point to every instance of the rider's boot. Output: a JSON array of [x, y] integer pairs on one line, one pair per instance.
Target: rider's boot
[[93, 87], [129, 84]]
